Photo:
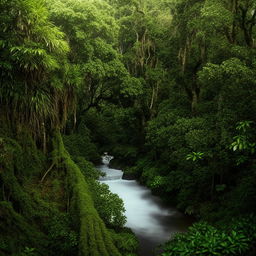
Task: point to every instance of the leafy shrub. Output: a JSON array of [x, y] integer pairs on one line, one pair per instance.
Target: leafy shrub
[[80, 145], [109, 206], [62, 238], [126, 242], [204, 239], [29, 252], [87, 168]]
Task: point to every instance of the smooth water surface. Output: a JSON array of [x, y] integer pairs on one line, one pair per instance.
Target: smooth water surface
[[152, 221]]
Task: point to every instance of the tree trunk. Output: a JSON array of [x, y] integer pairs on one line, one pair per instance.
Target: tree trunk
[[44, 139], [194, 101]]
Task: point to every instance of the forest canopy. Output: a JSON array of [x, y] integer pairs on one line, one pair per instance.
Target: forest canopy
[[166, 86]]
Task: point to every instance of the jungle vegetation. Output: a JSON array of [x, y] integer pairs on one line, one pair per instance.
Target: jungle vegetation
[[166, 86]]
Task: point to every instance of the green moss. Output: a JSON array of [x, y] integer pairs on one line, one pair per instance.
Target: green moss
[[16, 231], [33, 158], [125, 241], [11, 157], [87, 168], [95, 239], [62, 238]]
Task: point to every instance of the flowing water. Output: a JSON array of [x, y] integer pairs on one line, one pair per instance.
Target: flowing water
[[150, 219]]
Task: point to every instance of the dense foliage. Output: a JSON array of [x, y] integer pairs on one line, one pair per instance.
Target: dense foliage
[[167, 86], [203, 239]]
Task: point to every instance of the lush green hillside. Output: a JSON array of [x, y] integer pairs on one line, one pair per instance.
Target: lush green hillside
[[167, 86]]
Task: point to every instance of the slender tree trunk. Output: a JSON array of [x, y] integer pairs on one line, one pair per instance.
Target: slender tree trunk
[[44, 139], [75, 119], [194, 101], [152, 98], [52, 165]]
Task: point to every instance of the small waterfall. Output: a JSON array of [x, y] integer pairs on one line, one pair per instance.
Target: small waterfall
[[106, 159], [110, 174]]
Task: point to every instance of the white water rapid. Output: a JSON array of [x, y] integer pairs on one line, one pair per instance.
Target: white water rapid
[[150, 219]]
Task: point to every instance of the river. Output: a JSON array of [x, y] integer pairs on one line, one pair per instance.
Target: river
[[151, 220]]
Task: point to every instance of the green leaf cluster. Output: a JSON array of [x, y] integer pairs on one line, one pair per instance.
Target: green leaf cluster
[[203, 239]]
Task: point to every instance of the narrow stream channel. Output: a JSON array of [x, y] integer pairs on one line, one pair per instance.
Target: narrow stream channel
[[150, 219]]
